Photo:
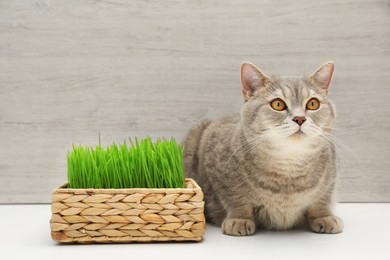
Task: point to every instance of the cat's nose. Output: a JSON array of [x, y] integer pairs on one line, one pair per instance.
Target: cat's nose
[[299, 120]]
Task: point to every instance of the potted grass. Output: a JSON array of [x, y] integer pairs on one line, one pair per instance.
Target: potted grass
[[127, 193]]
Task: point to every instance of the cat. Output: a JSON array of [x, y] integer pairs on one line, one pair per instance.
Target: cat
[[272, 165]]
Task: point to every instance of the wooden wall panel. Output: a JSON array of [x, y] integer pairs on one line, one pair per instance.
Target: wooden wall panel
[[72, 69]]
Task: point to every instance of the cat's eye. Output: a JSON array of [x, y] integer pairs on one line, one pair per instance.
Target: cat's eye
[[278, 104], [313, 104]]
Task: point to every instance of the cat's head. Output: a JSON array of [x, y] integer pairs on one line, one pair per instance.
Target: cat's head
[[289, 113]]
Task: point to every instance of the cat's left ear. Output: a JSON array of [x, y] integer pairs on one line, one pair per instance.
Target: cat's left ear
[[323, 75], [252, 79]]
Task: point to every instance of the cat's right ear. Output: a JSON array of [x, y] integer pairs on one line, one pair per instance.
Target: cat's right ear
[[252, 79]]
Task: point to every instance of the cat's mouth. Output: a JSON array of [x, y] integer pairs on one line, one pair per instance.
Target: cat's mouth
[[298, 134]]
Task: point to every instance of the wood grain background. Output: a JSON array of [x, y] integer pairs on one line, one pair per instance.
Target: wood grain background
[[70, 70]]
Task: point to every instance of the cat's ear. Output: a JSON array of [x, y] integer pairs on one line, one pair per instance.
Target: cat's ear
[[323, 75], [252, 79]]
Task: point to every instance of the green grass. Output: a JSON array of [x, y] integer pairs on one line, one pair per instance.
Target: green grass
[[139, 164]]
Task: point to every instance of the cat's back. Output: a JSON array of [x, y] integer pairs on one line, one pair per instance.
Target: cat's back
[[206, 137], [221, 130]]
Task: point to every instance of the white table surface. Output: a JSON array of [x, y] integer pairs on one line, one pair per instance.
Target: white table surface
[[25, 234]]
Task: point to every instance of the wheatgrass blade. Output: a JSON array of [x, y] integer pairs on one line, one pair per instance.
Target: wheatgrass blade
[[143, 164]]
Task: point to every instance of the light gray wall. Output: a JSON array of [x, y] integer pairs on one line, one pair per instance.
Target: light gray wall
[[72, 69]]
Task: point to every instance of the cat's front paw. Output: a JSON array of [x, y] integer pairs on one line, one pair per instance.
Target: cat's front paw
[[238, 227], [328, 225]]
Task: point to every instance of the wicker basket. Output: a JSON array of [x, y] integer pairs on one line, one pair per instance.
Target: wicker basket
[[127, 215]]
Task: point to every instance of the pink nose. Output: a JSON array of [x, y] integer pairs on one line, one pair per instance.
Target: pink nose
[[299, 120]]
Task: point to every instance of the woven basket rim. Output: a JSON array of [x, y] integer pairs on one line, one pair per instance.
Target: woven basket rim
[[191, 186]]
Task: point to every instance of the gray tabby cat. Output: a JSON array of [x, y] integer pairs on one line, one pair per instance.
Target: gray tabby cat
[[272, 166]]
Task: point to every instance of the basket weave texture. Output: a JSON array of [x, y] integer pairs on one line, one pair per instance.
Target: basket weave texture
[[127, 215]]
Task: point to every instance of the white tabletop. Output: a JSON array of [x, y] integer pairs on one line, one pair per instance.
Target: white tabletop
[[25, 233]]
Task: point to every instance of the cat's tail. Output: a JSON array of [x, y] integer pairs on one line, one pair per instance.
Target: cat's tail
[[191, 144]]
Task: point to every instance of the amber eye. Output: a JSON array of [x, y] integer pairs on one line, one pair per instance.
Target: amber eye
[[313, 104], [278, 104]]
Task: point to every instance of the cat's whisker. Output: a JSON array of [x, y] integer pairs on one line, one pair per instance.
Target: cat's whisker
[[243, 146], [325, 139], [341, 129], [343, 145], [249, 144], [336, 141]]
